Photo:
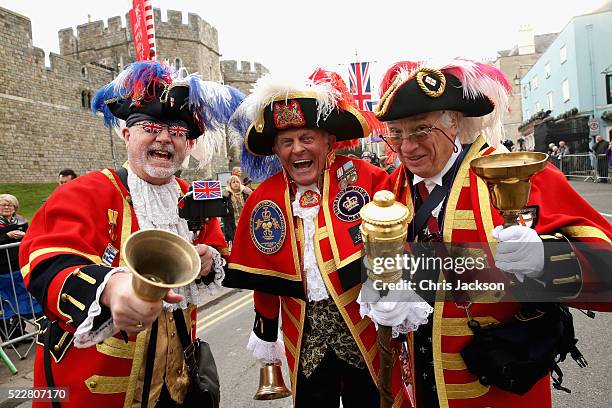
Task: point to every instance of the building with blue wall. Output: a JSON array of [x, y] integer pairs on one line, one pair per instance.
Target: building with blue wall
[[575, 72]]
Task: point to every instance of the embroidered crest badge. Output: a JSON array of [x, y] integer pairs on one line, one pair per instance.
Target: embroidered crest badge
[[288, 114], [528, 216], [267, 227], [310, 199], [349, 201]]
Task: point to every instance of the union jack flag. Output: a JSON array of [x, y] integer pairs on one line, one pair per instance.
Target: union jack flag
[[360, 85], [206, 190]]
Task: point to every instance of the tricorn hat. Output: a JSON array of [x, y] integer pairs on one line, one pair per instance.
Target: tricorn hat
[[465, 86], [151, 90], [478, 90], [321, 101]]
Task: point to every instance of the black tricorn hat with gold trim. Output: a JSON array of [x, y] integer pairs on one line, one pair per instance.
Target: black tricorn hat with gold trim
[[469, 87], [321, 102]]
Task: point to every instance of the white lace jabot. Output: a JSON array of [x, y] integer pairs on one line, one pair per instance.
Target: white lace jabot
[[314, 282], [156, 207]]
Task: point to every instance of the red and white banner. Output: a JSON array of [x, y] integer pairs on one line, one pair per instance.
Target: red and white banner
[[143, 30]]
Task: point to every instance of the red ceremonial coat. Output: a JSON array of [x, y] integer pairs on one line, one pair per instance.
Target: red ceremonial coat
[[470, 217], [274, 269], [74, 240]]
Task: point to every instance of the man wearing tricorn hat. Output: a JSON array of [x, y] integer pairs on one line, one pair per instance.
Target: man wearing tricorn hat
[[71, 256], [440, 118], [299, 240]]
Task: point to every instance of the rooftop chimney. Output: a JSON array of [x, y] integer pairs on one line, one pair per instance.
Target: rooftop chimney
[[526, 43]]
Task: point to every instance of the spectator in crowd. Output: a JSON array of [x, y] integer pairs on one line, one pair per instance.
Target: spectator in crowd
[[236, 194], [237, 171], [563, 148], [248, 182], [550, 148], [12, 289], [12, 229], [553, 156], [65, 176], [600, 148], [367, 156]]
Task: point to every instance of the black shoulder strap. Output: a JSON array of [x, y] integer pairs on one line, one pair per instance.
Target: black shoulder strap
[[438, 195], [181, 328], [148, 375], [47, 361], [122, 173]]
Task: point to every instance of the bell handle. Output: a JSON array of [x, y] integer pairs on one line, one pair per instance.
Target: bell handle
[[510, 217]]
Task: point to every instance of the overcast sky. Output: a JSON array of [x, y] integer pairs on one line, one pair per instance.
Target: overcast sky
[[293, 35]]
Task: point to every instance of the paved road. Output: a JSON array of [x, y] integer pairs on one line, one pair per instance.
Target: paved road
[[227, 327]]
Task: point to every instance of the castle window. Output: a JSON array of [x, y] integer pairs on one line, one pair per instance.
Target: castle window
[[84, 71], [177, 63], [86, 99]]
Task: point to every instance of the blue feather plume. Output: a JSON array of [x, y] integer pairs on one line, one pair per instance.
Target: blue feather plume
[[98, 104], [212, 102], [256, 167]]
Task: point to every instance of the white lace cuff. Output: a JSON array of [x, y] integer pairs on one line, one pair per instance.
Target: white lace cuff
[[85, 336], [266, 352], [403, 310], [417, 315], [217, 268], [195, 293]]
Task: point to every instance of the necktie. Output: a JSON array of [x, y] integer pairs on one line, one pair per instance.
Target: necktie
[[432, 222]]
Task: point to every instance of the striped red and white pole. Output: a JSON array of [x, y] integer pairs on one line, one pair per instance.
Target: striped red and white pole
[[150, 27]]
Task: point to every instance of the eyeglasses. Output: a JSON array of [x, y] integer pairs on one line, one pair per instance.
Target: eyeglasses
[[395, 141], [7, 205], [155, 128]]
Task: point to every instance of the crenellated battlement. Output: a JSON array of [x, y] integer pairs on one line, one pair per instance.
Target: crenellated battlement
[[230, 67], [96, 34], [244, 77]]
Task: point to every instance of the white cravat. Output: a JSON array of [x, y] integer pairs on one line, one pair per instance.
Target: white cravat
[[315, 286]]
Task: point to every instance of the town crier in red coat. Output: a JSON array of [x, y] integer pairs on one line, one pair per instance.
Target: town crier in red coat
[[298, 243], [440, 118], [71, 257]]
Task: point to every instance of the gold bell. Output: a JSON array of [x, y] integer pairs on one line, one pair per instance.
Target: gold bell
[[271, 384]]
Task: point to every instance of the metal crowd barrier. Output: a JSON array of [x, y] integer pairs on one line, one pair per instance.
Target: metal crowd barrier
[[18, 312], [587, 166]]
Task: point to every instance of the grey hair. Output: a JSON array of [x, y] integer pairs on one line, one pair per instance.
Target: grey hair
[[11, 200]]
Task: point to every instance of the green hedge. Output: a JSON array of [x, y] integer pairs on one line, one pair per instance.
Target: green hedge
[[30, 196]]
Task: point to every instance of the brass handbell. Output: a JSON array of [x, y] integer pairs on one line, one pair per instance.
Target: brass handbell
[[159, 261], [271, 384]]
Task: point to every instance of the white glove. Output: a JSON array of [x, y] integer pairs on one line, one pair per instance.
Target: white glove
[[403, 310], [520, 251]]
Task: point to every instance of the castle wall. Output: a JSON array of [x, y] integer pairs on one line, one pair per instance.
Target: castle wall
[[43, 127]]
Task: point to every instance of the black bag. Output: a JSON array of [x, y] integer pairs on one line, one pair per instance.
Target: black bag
[[516, 355], [204, 390]]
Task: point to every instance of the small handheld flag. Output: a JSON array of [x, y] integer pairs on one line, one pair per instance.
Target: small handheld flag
[[206, 190]]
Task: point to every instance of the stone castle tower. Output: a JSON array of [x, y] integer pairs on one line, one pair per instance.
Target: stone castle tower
[[45, 120]]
